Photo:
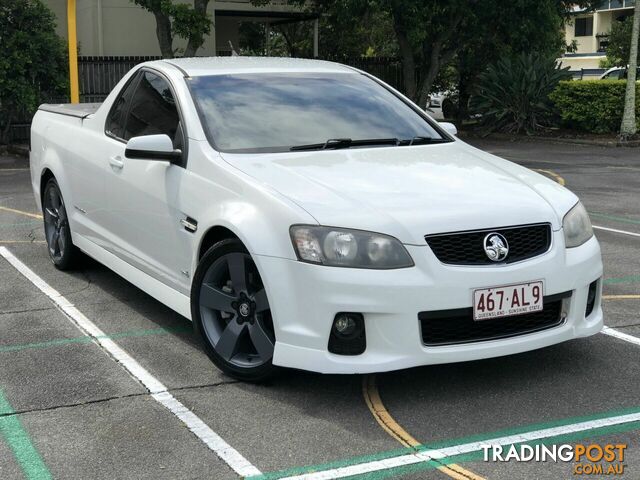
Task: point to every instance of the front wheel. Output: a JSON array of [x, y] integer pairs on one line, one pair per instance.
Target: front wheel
[[231, 312], [57, 232]]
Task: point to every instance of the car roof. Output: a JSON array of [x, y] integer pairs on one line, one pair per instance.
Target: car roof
[[199, 66]]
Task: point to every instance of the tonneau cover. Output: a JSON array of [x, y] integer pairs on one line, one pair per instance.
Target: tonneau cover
[[79, 110]]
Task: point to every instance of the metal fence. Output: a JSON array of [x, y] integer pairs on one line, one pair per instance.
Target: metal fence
[[98, 76]]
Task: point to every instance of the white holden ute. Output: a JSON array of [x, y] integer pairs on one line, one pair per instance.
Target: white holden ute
[[304, 214]]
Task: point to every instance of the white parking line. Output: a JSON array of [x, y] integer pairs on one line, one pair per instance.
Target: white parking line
[[620, 335], [615, 230], [158, 391], [465, 448]]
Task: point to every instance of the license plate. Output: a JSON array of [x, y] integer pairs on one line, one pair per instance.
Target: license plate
[[507, 301]]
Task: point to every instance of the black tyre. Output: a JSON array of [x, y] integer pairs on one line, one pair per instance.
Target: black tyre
[[62, 252], [231, 313]]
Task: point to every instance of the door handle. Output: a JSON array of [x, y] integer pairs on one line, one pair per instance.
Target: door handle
[[116, 162]]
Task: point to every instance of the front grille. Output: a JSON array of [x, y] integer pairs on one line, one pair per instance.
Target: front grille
[[449, 327], [467, 248]]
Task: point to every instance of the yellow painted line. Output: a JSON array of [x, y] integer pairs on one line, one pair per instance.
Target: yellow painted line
[[621, 297], [20, 212], [553, 174], [14, 170], [393, 428]]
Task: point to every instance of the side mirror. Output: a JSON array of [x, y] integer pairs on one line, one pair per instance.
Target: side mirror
[[153, 147], [448, 127]]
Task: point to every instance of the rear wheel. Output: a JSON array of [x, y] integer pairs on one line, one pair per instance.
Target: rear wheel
[[230, 310], [57, 232]]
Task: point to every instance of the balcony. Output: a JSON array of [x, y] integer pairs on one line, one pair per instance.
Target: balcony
[[602, 41]]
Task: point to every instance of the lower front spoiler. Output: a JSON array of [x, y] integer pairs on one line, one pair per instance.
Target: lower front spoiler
[[379, 361]]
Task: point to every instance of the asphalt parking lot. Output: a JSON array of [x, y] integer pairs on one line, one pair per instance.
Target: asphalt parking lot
[[69, 408]]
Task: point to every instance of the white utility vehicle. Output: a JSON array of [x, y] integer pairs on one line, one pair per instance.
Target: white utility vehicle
[[304, 214]]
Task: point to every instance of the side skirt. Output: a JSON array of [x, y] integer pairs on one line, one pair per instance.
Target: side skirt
[[158, 290]]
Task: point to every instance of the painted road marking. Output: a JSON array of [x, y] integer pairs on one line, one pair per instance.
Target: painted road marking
[[13, 242], [561, 181], [621, 297], [16, 437], [615, 218], [620, 335], [615, 230], [393, 428], [158, 391], [81, 340], [598, 425], [553, 174], [627, 279], [21, 212]]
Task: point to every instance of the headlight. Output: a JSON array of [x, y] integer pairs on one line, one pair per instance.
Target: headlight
[[576, 226], [337, 247]]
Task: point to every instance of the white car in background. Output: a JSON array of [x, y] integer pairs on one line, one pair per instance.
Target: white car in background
[[617, 73], [304, 214]]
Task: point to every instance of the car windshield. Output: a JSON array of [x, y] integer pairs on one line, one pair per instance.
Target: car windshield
[[279, 112]]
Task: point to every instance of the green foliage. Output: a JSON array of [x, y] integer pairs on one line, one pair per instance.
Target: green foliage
[[191, 22], [618, 51], [591, 105], [32, 60], [348, 28], [513, 94]]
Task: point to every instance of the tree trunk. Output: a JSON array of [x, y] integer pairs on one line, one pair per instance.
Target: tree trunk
[[629, 126], [163, 32], [437, 59], [438, 55], [195, 42], [6, 131], [408, 58]]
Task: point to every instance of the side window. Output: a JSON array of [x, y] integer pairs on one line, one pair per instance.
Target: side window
[[153, 110], [117, 115]]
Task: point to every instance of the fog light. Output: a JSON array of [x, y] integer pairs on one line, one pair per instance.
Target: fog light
[[344, 324], [348, 334]]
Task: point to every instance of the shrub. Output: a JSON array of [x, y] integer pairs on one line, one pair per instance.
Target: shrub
[[513, 94], [594, 106], [32, 60]]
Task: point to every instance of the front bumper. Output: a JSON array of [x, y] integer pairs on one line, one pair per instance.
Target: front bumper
[[304, 300]]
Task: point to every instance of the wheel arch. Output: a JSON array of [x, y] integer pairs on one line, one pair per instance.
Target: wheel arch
[[212, 236], [45, 176]]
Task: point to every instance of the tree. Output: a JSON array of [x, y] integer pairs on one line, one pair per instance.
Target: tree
[[618, 50], [539, 32], [629, 126], [191, 22], [430, 33], [33, 63]]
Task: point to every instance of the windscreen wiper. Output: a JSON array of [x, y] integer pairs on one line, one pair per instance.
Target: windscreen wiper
[[418, 140], [338, 143]]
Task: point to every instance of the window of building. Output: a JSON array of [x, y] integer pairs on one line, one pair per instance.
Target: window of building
[[584, 27]]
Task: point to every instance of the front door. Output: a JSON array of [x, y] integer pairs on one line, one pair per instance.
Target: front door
[[143, 196]]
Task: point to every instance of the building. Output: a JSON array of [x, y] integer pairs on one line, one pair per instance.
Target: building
[[590, 31], [122, 28]]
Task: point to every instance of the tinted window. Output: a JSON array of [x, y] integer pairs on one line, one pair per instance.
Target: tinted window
[[273, 112], [584, 27], [117, 116], [153, 109], [615, 75]]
